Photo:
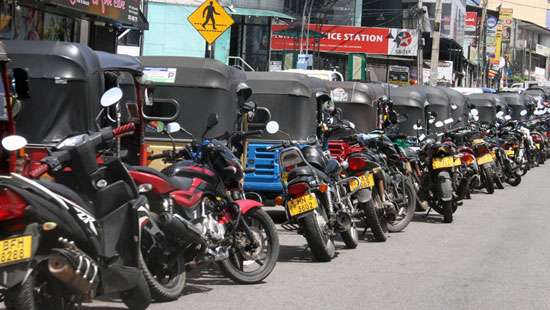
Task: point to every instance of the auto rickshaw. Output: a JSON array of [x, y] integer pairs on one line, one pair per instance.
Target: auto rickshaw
[[459, 108], [538, 94], [438, 104], [7, 125], [357, 103], [291, 100], [485, 104], [518, 103], [199, 87], [409, 103]]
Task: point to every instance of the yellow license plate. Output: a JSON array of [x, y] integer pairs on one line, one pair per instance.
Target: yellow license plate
[[442, 163], [538, 146], [302, 204], [367, 181], [510, 153], [15, 250], [487, 158], [457, 161]]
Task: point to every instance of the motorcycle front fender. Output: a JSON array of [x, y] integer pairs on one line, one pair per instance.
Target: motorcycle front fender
[[246, 205], [12, 275]]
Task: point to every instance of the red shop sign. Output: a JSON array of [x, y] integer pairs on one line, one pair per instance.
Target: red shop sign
[[339, 39]]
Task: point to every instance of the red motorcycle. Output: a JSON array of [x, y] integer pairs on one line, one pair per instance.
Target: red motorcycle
[[200, 199]]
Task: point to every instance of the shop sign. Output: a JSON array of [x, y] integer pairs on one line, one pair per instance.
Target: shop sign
[[506, 19], [542, 50], [339, 95], [399, 75], [470, 23], [347, 39], [122, 11]]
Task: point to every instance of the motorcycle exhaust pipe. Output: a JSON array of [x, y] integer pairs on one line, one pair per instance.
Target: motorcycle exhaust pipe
[[83, 282], [182, 228]]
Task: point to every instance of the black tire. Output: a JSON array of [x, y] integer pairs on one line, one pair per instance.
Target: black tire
[[448, 211], [498, 182], [373, 220], [321, 245], [270, 241], [23, 296], [409, 210], [350, 237], [488, 181], [165, 290], [134, 299]]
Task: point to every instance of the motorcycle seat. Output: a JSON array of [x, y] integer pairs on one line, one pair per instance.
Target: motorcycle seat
[[305, 171], [67, 193], [178, 182]]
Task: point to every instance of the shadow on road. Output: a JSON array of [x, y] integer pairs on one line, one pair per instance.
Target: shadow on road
[[432, 218], [294, 254]]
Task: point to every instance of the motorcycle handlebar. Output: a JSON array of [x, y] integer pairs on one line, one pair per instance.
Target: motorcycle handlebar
[[124, 129]]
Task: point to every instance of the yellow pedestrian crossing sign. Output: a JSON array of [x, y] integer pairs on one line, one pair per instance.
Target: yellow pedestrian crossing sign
[[211, 20]]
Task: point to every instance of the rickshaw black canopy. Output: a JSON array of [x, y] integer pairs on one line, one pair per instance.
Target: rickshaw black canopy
[[65, 85], [409, 102], [201, 86], [438, 101], [501, 104], [115, 62], [486, 106], [517, 103], [357, 103], [290, 97], [462, 110]]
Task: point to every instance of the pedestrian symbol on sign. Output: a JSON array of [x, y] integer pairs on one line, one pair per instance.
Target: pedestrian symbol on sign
[[209, 11], [210, 20]]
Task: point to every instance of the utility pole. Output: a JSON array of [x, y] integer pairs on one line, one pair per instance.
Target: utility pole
[[435, 44], [482, 47], [420, 52]]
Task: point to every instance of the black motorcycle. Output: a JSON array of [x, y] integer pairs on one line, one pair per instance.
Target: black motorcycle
[[65, 248]]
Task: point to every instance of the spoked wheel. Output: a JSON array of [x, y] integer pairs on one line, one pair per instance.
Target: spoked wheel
[[163, 269], [40, 292], [405, 208], [318, 235], [251, 261]]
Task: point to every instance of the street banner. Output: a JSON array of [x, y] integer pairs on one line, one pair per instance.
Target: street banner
[[347, 39], [506, 19], [495, 59]]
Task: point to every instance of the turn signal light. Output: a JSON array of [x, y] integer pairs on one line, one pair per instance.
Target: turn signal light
[[279, 201], [323, 188]]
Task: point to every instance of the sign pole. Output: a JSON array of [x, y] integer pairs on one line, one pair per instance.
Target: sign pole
[[420, 52], [435, 44]]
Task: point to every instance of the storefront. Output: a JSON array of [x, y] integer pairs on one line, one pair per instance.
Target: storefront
[[98, 24]]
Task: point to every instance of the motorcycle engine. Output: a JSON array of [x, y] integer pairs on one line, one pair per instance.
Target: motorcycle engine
[[208, 222]]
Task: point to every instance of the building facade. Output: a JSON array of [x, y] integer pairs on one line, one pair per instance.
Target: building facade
[[534, 11]]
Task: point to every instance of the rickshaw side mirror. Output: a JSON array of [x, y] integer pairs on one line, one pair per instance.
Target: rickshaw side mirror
[[212, 121], [21, 82], [111, 97], [166, 110], [261, 117], [172, 127]]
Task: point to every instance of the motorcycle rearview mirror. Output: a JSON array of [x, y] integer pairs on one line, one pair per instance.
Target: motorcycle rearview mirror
[[172, 127], [448, 121], [476, 118], [500, 114], [507, 117], [454, 106], [111, 97], [14, 142], [523, 112], [243, 92], [417, 127], [431, 121], [439, 124], [272, 127], [474, 112], [421, 137], [249, 106]]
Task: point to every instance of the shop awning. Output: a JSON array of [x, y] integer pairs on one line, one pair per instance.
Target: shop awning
[[257, 12]]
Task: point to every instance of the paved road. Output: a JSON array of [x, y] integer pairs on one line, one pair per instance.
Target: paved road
[[495, 256]]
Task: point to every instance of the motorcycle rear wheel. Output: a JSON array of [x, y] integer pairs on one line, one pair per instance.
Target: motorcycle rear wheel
[[488, 181], [319, 241], [373, 219], [409, 192], [351, 237], [264, 229]]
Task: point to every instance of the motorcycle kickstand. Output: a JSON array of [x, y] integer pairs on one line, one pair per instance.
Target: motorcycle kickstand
[[428, 212]]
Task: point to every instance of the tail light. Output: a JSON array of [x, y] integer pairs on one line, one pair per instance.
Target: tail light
[[357, 164], [12, 206], [298, 189], [537, 138], [467, 159]]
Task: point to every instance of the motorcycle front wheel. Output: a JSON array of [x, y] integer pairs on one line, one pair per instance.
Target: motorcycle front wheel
[[248, 264]]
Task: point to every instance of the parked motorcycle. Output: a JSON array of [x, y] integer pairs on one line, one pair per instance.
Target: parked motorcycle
[[199, 199], [60, 247]]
